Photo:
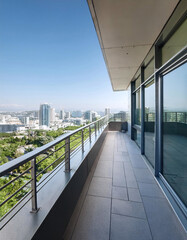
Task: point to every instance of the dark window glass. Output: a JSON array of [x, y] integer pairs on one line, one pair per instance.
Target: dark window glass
[[150, 121], [137, 136], [149, 70], [137, 82], [175, 130], [137, 108], [176, 42]]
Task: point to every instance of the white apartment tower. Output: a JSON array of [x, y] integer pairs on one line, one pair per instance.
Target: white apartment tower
[[107, 111], [52, 115]]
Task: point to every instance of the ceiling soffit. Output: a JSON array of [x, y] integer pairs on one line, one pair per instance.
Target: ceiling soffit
[[126, 30]]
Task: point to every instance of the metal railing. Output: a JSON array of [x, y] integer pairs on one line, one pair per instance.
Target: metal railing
[[118, 117], [23, 177], [178, 117]]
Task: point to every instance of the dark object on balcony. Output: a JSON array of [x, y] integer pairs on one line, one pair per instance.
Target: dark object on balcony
[[118, 126]]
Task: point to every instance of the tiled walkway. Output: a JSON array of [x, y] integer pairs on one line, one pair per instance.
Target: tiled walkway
[[121, 199]]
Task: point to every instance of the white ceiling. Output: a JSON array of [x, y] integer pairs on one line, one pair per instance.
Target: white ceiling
[[126, 30]]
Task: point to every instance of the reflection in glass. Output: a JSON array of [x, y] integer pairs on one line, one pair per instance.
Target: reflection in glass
[[149, 123], [138, 82], [175, 130], [137, 136], [177, 41], [149, 70], [137, 120], [138, 109]]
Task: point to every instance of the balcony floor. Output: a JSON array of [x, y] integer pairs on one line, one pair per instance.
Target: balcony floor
[[121, 199]]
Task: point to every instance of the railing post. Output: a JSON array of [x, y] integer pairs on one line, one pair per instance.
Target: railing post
[[90, 133], [82, 137], [33, 186], [95, 129], [67, 154]]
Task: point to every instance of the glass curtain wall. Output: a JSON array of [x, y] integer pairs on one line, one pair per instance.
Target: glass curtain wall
[[165, 69], [175, 130], [149, 121]]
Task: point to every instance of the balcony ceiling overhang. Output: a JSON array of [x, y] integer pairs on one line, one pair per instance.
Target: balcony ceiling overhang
[[127, 29]]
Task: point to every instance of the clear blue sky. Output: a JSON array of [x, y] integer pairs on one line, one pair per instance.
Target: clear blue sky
[[49, 52]]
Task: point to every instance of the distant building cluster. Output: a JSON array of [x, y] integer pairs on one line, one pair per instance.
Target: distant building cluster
[[47, 118]]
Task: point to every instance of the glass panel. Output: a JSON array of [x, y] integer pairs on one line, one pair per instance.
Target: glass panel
[[175, 130], [129, 109], [138, 82], [149, 70], [138, 109], [137, 136], [176, 42], [150, 122]]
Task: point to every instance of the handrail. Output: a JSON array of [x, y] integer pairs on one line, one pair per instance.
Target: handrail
[[62, 156], [9, 166]]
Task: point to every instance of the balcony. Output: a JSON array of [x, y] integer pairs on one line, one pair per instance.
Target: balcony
[[121, 198], [105, 191]]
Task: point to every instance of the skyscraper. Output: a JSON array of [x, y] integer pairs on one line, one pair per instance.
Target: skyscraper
[[44, 115], [68, 115], [62, 114], [107, 111], [88, 115], [52, 115]]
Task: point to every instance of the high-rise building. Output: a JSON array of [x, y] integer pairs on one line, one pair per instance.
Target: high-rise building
[[44, 115], [26, 120], [107, 111], [62, 114], [95, 115], [88, 115], [52, 115], [68, 115], [76, 114]]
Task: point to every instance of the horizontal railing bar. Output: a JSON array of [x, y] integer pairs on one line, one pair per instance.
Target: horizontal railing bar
[[49, 155], [75, 145], [86, 140], [4, 186], [49, 174], [75, 139], [15, 193], [59, 148], [50, 165], [9, 166], [21, 200], [86, 135], [37, 163], [75, 150]]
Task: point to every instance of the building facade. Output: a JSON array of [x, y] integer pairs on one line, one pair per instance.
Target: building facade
[[88, 115], [150, 63], [44, 115], [52, 115], [62, 114], [107, 111]]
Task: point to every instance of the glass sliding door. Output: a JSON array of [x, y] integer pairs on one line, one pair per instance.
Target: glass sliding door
[[149, 121], [138, 109], [175, 130], [137, 119]]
